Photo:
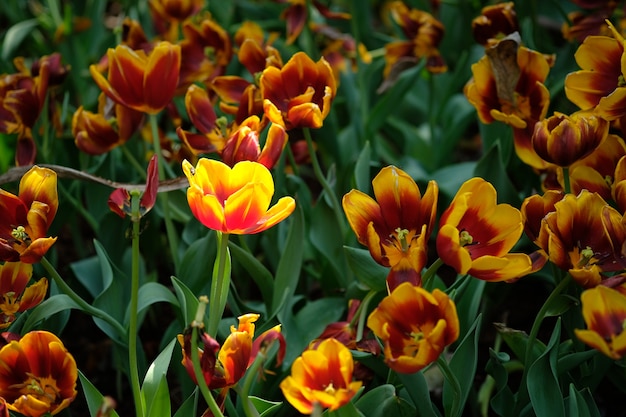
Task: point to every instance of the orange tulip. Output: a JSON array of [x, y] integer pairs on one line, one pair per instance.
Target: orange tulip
[[423, 32], [476, 235], [597, 85], [604, 311], [396, 226], [234, 200], [321, 377], [414, 326], [112, 126], [38, 375], [141, 81], [495, 22], [584, 235], [243, 144], [562, 140], [298, 94], [15, 293], [25, 219]]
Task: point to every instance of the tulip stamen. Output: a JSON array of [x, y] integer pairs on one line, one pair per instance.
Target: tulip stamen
[[401, 237], [585, 257], [19, 234], [621, 82], [465, 238], [330, 389]]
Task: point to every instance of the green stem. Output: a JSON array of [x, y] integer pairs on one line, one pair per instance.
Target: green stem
[[244, 392], [322, 179], [532, 337], [172, 237], [566, 181], [454, 382], [430, 272], [360, 316], [134, 300], [84, 305], [204, 388], [133, 161], [220, 284]]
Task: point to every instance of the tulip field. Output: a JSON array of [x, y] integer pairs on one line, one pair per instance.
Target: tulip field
[[339, 208]]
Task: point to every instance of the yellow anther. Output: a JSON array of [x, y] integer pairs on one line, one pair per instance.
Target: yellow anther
[[465, 238], [19, 233]]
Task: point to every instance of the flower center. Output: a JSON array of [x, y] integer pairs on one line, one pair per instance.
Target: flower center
[[42, 388], [19, 234], [8, 303], [465, 238], [414, 342], [330, 389], [585, 257]]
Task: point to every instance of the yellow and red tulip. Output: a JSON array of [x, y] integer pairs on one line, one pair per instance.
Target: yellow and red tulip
[[234, 200], [414, 326], [494, 23], [300, 93], [111, 126], [476, 234], [321, 377], [26, 218], [15, 293], [604, 311], [119, 200], [597, 84], [243, 144], [396, 226], [562, 140], [38, 375], [145, 82], [584, 236]]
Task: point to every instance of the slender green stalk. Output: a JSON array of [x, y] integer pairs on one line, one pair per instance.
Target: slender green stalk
[[220, 283], [172, 237], [133, 161], [84, 305], [134, 300], [430, 272], [322, 179], [566, 181], [523, 393], [454, 382], [244, 391], [360, 316], [196, 325]]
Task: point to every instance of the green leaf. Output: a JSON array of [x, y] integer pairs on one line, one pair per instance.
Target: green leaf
[[187, 300], [323, 236], [264, 407], [365, 268], [346, 410], [362, 169], [288, 270], [560, 305], [572, 360], [417, 388], [491, 168], [151, 293], [517, 341], [92, 395], [198, 261], [503, 401], [154, 390], [463, 365], [188, 407], [382, 401], [259, 273], [576, 404], [543, 384], [15, 35], [53, 305]]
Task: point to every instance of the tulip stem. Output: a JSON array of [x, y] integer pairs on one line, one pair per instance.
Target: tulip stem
[[532, 337], [172, 237], [454, 382], [567, 188], [430, 272], [244, 392], [220, 284], [325, 185], [134, 300], [197, 369], [82, 304]]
